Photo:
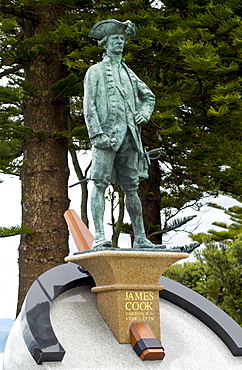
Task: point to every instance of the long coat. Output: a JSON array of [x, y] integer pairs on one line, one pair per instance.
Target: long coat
[[101, 101]]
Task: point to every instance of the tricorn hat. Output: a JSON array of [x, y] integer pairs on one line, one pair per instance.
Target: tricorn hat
[[112, 27]]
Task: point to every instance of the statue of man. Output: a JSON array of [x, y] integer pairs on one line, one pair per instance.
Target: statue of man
[[116, 103]]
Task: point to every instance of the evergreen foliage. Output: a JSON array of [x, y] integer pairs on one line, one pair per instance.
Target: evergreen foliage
[[217, 273], [188, 52], [230, 231], [14, 230]]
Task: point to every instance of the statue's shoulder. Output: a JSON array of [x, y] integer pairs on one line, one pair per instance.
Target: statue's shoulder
[[96, 67], [94, 70]]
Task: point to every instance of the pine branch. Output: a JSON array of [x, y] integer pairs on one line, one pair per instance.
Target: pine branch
[[172, 225], [17, 13], [189, 248], [11, 70], [14, 230]]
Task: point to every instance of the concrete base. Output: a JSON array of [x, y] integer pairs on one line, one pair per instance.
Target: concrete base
[[90, 345], [127, 286]]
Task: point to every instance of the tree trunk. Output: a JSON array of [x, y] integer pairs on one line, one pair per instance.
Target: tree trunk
[[45, 172], [149, 193]]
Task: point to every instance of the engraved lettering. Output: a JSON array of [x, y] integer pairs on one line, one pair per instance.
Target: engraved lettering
[[138, 296], [128, 306], [151, 295], [135, 306], [142, 306], [129, 296], [149, 306]]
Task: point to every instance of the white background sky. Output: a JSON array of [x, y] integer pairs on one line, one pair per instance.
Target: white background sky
[[10, 215]]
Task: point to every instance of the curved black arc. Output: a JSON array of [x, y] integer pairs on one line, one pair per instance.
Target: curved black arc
[[37, 330], [211, 315]]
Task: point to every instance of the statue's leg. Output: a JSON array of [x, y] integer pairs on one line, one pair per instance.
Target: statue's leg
[[98, 208], [128, 177], [134, 208], [127, 168], [102, 164]]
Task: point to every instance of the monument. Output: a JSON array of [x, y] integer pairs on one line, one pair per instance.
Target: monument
[[116, 104], [127, 282]]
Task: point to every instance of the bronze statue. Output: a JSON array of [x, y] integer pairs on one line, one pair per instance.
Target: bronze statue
[[116, 104]]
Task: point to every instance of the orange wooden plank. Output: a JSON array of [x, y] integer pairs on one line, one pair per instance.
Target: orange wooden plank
[[140, 330], [150, 354], [81, 235]]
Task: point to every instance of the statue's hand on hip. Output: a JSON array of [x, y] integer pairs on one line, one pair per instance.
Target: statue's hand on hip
[[140, 119], [101, 141]]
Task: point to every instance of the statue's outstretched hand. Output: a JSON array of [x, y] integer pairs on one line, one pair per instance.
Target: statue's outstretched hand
[[101, 141], [140, 119]]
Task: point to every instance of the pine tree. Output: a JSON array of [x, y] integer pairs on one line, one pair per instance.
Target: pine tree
[[29, 45]]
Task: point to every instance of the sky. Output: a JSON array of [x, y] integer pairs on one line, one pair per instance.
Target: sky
[[10, 215]]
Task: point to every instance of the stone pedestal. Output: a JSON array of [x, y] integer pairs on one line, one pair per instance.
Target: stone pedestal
[[127, 286]]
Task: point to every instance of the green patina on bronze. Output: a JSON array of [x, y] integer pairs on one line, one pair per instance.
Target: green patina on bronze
[[116, 104]]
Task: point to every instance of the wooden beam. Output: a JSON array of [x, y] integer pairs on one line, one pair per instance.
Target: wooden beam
[[144, 342], [81, 235]]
